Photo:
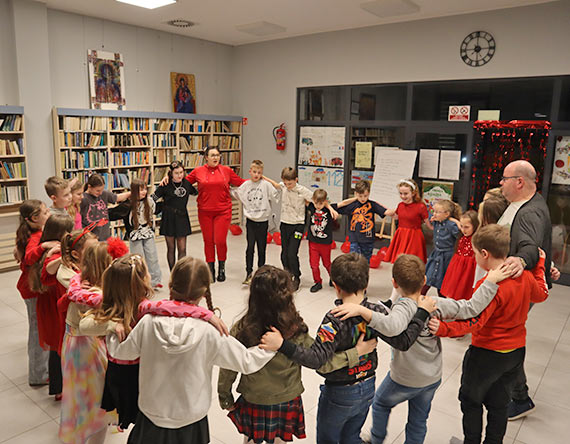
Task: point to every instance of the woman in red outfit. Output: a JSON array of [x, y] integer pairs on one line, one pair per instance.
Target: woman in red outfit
[[214, 207]]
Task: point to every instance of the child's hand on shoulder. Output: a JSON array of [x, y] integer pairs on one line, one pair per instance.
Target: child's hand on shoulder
[[349, 310], [54, 250], [272, 340], [364, 347], [541, 253], [50, 244], [427, 303], [499, 274], [120, 332], [433, 325], [220, 325]]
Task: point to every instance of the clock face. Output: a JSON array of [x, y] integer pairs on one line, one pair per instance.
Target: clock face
[[477, 48]]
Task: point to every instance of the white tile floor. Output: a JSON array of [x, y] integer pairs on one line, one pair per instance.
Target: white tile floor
[[29, 415]]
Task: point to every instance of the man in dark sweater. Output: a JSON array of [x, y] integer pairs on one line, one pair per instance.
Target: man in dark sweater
[[352, 388], [528, 218]]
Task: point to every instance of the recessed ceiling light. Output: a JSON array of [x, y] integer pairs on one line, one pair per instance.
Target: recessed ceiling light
[[261, 29], [148, 4], [390, 8]]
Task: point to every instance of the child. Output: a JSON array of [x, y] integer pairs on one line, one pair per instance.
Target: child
[[348, 392], [43, 281], [83, 358], [458, 280], [445, 232], [256, 196], [293, 198], [74, 209], [411, 212], [362, 211], [140, 229], [497, 348], [94, 205], [320, 237], [33, 216], [182, 350], [59, 191], [175, 223], [277, 387]]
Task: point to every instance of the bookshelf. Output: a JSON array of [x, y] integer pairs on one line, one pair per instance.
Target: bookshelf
[[123, 145]]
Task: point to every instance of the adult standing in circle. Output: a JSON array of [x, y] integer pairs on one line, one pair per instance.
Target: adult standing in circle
[[175, 224], [214, 207]]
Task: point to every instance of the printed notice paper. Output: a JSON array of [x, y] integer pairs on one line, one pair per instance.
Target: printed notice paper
[[429, 160], [363, 154], [449, 164], [391, 166]]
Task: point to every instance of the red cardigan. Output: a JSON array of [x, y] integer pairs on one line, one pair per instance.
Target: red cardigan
[[501, 326], [214, 186], [34, 252]]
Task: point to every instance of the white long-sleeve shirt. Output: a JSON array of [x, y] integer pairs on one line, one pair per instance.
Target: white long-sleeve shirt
[[177, 356]]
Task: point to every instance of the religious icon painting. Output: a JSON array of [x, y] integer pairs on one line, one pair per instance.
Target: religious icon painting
[[183, 87], [106, 80]]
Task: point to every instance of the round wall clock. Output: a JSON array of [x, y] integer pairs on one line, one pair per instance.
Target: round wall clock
[[477, 48]]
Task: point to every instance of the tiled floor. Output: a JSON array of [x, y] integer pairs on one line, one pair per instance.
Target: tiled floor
[[29, 415]]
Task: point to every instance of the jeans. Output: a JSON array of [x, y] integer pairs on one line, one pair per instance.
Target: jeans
[[37, 356], [487, 379], [365, 249], [342, 412], [291, 236], [147, 249], [256, 235], [389, 395]]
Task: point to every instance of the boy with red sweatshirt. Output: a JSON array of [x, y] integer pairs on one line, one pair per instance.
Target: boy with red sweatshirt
[[499, 336]]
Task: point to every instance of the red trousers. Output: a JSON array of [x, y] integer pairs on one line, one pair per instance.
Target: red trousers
[[317, 252], [215, 226]]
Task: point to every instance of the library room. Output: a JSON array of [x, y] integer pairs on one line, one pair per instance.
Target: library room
[[268, 222]]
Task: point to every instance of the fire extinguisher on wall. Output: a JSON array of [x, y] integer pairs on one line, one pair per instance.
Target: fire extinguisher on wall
[[280, 136]]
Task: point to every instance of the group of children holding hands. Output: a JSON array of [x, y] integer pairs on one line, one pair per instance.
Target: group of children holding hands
[[116, 356]]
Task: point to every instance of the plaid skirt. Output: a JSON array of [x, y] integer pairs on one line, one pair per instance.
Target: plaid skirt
[[264, 423]]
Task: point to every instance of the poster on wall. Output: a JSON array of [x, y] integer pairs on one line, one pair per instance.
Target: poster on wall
[[358, 175], [183, 87], [432, 191], [321, 146], [390, 167], [329, 179], [449, 164], [561, 167], [363, 155], [106, 80]]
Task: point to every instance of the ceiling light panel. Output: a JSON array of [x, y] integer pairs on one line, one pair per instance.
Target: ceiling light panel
[[148, 4], [390, 8], [261, 29]]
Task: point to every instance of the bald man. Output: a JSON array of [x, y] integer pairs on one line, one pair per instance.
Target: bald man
[[529, 220]]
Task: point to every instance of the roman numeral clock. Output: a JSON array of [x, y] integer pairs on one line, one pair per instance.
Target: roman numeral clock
[[477, 48]]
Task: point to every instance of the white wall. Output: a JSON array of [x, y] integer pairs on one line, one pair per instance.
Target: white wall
[[149, 58], [531, 41], [8, 70]]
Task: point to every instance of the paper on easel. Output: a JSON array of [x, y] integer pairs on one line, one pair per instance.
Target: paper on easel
[[429, 160], [363, 155], [391, 166], [449, 164]]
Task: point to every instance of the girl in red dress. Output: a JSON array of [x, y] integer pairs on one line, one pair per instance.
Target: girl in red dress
[[411, 212], [458, 280]]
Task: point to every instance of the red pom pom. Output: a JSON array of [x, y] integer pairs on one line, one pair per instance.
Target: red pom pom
[[269, 238], [116, 247], [235, 230], [333, 245], [375, 261], [277, 237]]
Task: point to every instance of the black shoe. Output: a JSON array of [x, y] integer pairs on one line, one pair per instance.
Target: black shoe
[[331, 283], [318, 286], [221, 271], [212, 271], [517, 410], [296, 282]]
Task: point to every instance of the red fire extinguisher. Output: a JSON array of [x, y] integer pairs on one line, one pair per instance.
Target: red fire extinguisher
[[280, 136]]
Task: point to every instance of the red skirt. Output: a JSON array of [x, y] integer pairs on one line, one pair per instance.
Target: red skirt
[[407, 241], [264, 423], [458, 280], [50, 325]]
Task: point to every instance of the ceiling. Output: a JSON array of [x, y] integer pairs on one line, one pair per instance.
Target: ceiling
[[219, 20]]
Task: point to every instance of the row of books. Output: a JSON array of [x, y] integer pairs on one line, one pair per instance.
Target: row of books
[[124, 178], [83, 176], [164, 125], [70, 123], [84, 159], [192, 160], [13, 193], [231, 158], [193, 143], [127, 158], [11, 147], [84, 140], [210, 126], [164, 140], [10, 122], [225, 142], [129, 139], [13, 170], [129, 124], [160, 172], [164, 156]]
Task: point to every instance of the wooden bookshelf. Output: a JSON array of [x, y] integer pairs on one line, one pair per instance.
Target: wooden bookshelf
[[123, 145]]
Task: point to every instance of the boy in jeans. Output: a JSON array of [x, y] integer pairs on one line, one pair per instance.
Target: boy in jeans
[[498, 339], [347, 393], [256, 196], [415, 374], [320, 237], [362, 211], [59, 191]]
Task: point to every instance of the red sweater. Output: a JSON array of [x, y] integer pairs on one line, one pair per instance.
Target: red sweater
[[501, 326], [34, 252], [214, 186]]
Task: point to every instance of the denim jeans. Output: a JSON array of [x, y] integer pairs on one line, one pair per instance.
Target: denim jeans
[[147, 249], [365, 249], [37, 356], [342, 412], [390, 394]]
